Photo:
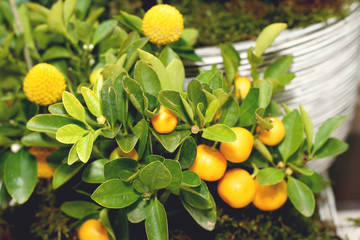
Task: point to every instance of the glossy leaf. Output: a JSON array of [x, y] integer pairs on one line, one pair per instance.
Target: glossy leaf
[[206, 218], [136, 94], [308, 126], [265, 92], [155, 175], [196, 96], [84, 147], [301, 196], [315, 182], [56, 52], [72, 156], [219, 132], [270, 176], [147, 78], [177, 72], [176, 173], [64, 173], [94, 172], [263, 150], [114, 193], [70, 133], [248, 108], [79, 209], [156, 222], [172, 101], [112, 168], [108, 102], [279, 67], [137, 211], [187, 153], [267, 36], [325, 131], [73, 106], [132, 53], [39, 140], [231, 59], [126, 142], [103, 30], [197, 197], [55, 18], [20, 175], [121, 99], [332, 147], [172, 140], [190, 179], [69, 8], [131, 21], [294, 134], [141, 131], [230, 112], [92, 101]]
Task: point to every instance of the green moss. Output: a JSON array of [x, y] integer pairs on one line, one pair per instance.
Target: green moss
[[236, 20]]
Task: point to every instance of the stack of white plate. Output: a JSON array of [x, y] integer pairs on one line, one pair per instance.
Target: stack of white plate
[[326, 64]]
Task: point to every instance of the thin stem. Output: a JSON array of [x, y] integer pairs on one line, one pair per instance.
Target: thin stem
[[213, 147], [256, 170], [27, 55], [159, 1]]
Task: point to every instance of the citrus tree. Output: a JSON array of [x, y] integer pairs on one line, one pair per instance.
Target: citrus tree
[[136, 137]]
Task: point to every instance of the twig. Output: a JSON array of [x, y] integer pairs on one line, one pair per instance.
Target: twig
[[27, 55]]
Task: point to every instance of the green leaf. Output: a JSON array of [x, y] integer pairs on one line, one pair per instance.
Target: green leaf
[[126, 142], [270, 176], [159, 68], [332, 147], [114, 193], [219, 132], [195, 95], [56, 52], [315, 182], [20, 175], [141, 131], [263, 150], [156, 222], [137, 211], [187, 153], [279, 67], [265, 92], [112, 168], [72, 156], [79, 209], [147, 78], [308, 126], [103, 30], [49, 123], [65, 172], [104, 218], [136, 94], [94, 172], [304, 171], [111, 72], [231, 59], [188, 109], [294, 134], [131, 21], [73, 106], [267, 36], [325, 131], [39, 140], [69, 8], [248, 108], [301, 196], [132, 54], [171, 100], [55, 20], [230, 112], [212, 77], [108, 102], [70, 133], [84, 147], [190, 179], [155, 175], [197, 197], [172, 140], [206, 218], [176, 173], [121, 99], [177, 72], [92, 101], [154, 158]]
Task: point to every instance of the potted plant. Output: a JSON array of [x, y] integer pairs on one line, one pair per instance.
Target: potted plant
[[134, 137]]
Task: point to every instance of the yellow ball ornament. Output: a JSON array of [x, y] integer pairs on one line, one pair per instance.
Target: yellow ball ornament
[[44, 84], [163, 24]]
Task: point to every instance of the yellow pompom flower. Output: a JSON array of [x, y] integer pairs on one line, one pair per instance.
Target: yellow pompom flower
[[44, 84], [41, 154], [163, 24]]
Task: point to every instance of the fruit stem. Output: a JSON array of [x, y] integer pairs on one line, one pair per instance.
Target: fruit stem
[[256, 170], [213, 147]]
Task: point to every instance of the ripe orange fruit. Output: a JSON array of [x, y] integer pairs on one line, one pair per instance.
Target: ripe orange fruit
[[242, 86], [209, 164], [93, 229], [237, 188], [270, 197], [118, 153], [274, 135], [164, 122], [239, 150]]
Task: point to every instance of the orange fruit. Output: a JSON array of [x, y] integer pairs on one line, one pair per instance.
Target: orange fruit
[[239, 150], [93, 229], [164, 122], [43, 168], [209, 164], [242, 86], [274, 135], [237, 188], [270, 197]]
